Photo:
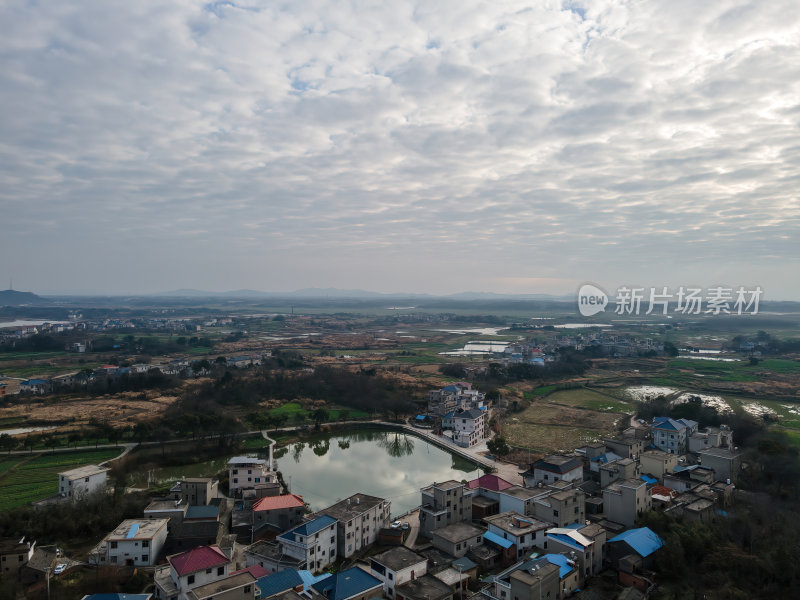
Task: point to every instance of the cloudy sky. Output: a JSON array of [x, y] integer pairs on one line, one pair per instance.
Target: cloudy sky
[[399, 146]]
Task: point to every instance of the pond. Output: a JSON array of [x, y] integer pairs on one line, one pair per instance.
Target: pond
[[387, 464]]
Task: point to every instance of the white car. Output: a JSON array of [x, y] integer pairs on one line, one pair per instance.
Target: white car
[[59, 569], [397, 525]]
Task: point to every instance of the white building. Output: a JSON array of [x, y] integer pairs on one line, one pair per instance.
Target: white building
[[189, 570], [134, 543], [78, 484], [360, 519], [313, 542], [525, 533], [670, 435], [469, 427], [396, 567], [249, 473]]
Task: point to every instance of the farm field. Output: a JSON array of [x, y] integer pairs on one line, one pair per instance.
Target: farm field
[[585, 398], [565, 420], [25, 479]]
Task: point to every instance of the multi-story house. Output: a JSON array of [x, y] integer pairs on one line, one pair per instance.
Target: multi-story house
[[78, 484], [554, 468], [310, 546], [14, 554], [455, 396], [396, 567], [670, 435], [194, 490], [625, 501], [523, 532], [134, 543], [469, 427], [563, 507], [249, 473], [189, 570], [360, 517], [443, 504]]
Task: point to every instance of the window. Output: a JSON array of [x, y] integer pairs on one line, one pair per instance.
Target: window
[[555, 513], [478, 540], [391, 577], [190, 579], [333, 539], [458, 546], [247, 589], [146, 544], [87, 480], [113, 559], [221, 571], [208, 571], [145, 557], [113, 545]]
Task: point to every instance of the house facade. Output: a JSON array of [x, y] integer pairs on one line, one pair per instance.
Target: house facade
[[189, 570], [670, 435], [134, 543], [249, 473], [359, 519], [443, 504], [396, 567], [78, 484]]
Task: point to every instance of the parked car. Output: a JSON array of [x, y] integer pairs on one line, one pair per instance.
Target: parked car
[[406, 526], [59, 569], [396, 525]]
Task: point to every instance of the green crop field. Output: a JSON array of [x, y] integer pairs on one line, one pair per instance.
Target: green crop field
[[37, 478], [584, 398], [291, 409]]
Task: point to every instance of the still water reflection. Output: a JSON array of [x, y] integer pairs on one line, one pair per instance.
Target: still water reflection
[[388, 464]]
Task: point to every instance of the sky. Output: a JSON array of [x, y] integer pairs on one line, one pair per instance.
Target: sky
[[439, 147]]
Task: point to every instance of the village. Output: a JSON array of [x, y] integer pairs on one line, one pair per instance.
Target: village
[[550, 529]]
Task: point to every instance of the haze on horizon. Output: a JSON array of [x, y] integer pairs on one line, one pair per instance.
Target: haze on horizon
[[399, 147]]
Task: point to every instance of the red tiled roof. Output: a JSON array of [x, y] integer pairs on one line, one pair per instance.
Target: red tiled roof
[[276, 502], [256, 571], [197, 559], [489, 482]]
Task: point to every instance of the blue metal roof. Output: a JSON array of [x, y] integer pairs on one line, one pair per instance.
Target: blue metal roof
[[421, 417], [649, 480], [643, 540], [346, 584], [565, 539], [119, 597], [132, 531], [561, 561], [278, 582], [310, 579], [309, 528], [496, 539], [464, 564], [202, 512]]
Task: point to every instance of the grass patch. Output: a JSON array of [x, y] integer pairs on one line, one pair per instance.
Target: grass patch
[[777, 365], [544, 390], [38, 478], [591, 400], [292, 409]]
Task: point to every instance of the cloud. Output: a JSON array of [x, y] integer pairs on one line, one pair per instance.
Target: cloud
[[418, 146]]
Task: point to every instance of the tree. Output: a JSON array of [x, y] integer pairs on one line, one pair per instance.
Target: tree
[[344, 414], [319, 416], [670, 349], [498, 446], [7, 442]]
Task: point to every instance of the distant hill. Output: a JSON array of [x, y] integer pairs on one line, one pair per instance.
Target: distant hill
[[336, 293], [15, 298]]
